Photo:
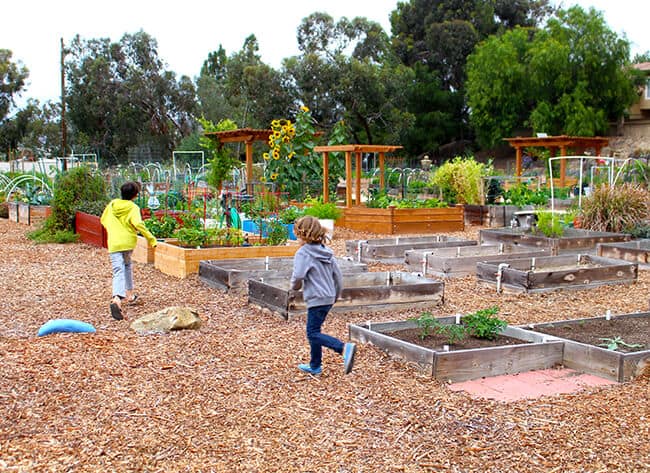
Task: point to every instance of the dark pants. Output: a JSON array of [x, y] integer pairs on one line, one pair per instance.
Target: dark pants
[[317, 340]]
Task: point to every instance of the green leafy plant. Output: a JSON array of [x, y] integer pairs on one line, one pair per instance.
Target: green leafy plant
[[42, 235], [549, 224], [521, 195], [222, 160], [459, 180], [192, 237], [617, 342], [72, 188], [276, 232], [427, 324], [484, 323], [615, 209], [291, 157], [290, 214], [161, 227], [381, 200], [453, 332], [319, 209]]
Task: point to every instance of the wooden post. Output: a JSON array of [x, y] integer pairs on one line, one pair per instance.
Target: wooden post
[[249, 167], [518, 162], [358, 178], [326, 174], [562, 165], [382, 181], [348, 179]]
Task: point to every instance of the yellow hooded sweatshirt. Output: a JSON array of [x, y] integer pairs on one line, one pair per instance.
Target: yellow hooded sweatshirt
[[122, 220]]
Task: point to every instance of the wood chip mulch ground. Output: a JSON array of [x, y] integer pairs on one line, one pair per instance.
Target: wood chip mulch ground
[[228, 397]]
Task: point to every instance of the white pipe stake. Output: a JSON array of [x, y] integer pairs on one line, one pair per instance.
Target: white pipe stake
[[608, 315], [457, 319]]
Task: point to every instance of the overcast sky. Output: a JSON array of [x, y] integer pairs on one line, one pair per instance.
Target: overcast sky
[[187, 30]]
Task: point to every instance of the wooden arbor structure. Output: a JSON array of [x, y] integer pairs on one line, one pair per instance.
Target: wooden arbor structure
[[562, 142], [355, 150], [242, 135]]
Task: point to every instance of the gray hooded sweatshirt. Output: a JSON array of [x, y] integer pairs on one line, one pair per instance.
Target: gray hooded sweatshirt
[[316, 271]]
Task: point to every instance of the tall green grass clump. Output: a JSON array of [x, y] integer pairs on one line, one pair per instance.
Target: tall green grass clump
[[460, 180], [616, 209]]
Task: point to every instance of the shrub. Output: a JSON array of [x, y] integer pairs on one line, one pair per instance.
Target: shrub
[[484, 323], [324, 210], [459, 180], [549, 224], [615, 209], [161, 227], [71, 188]]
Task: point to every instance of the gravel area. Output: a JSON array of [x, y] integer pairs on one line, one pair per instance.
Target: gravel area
[[228, 397]]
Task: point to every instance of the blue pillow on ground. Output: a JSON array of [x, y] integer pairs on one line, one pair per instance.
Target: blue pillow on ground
[[65, 325]]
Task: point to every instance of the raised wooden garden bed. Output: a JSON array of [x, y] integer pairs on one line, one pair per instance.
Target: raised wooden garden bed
[[394, 221], [12, 208], [233, 274], [391, 250], [461, 365], [172, 259], [361, 292], [144, 253], [461, 260], [572, 239], [90, 230], [491, 215], [550, 273], [22, 212], [582, 338], [636, 251]]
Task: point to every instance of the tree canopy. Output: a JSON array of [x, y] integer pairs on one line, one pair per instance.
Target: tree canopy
[[572, 77]]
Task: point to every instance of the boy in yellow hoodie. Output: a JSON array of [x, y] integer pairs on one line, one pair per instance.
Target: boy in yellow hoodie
[[123, 221]]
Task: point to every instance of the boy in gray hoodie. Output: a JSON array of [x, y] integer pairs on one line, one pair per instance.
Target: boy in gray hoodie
[[316, 271]]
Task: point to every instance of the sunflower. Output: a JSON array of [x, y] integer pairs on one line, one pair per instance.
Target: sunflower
[[276, 154], [304, 108], [274, 176], [275, 123], [266, 156]]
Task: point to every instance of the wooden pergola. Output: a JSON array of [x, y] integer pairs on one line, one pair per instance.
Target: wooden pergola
[[349, 150], [242, 135], [562, 142]]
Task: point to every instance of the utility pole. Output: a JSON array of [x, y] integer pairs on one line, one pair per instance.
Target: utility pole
[[64, 131]]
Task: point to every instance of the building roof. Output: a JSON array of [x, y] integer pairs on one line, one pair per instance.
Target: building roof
[[642, 66]]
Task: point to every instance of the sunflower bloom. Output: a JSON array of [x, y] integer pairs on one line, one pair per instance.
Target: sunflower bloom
[[266, 156], [304, 108], [274, 176]]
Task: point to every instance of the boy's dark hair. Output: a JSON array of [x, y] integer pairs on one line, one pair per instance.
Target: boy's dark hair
[[129, 190]]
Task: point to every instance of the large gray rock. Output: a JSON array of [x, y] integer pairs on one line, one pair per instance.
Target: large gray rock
[[171, 318]]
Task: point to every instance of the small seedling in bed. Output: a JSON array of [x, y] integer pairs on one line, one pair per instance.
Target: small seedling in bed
[[617, 342], [427, 324]]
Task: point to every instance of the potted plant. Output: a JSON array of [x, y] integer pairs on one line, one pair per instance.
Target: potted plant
[[325, 212]]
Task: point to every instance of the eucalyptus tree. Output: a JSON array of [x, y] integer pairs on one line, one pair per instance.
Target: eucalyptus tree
[[441, 34], [12, 82], [572, 77], [120, 95], [241, 87], [346, 70]]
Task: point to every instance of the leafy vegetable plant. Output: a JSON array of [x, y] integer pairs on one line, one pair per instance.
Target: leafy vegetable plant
[[617, 342], [484, 323]]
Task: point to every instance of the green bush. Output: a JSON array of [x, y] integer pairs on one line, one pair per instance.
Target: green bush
[[459, 180], [549, 224], [484, 323], [42, 235], [615, 209], [72, 187], [290, 214], [324, 210], [161, 227]]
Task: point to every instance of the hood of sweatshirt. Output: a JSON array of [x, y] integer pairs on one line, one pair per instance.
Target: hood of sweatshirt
[[320, 252], [120, 208]]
